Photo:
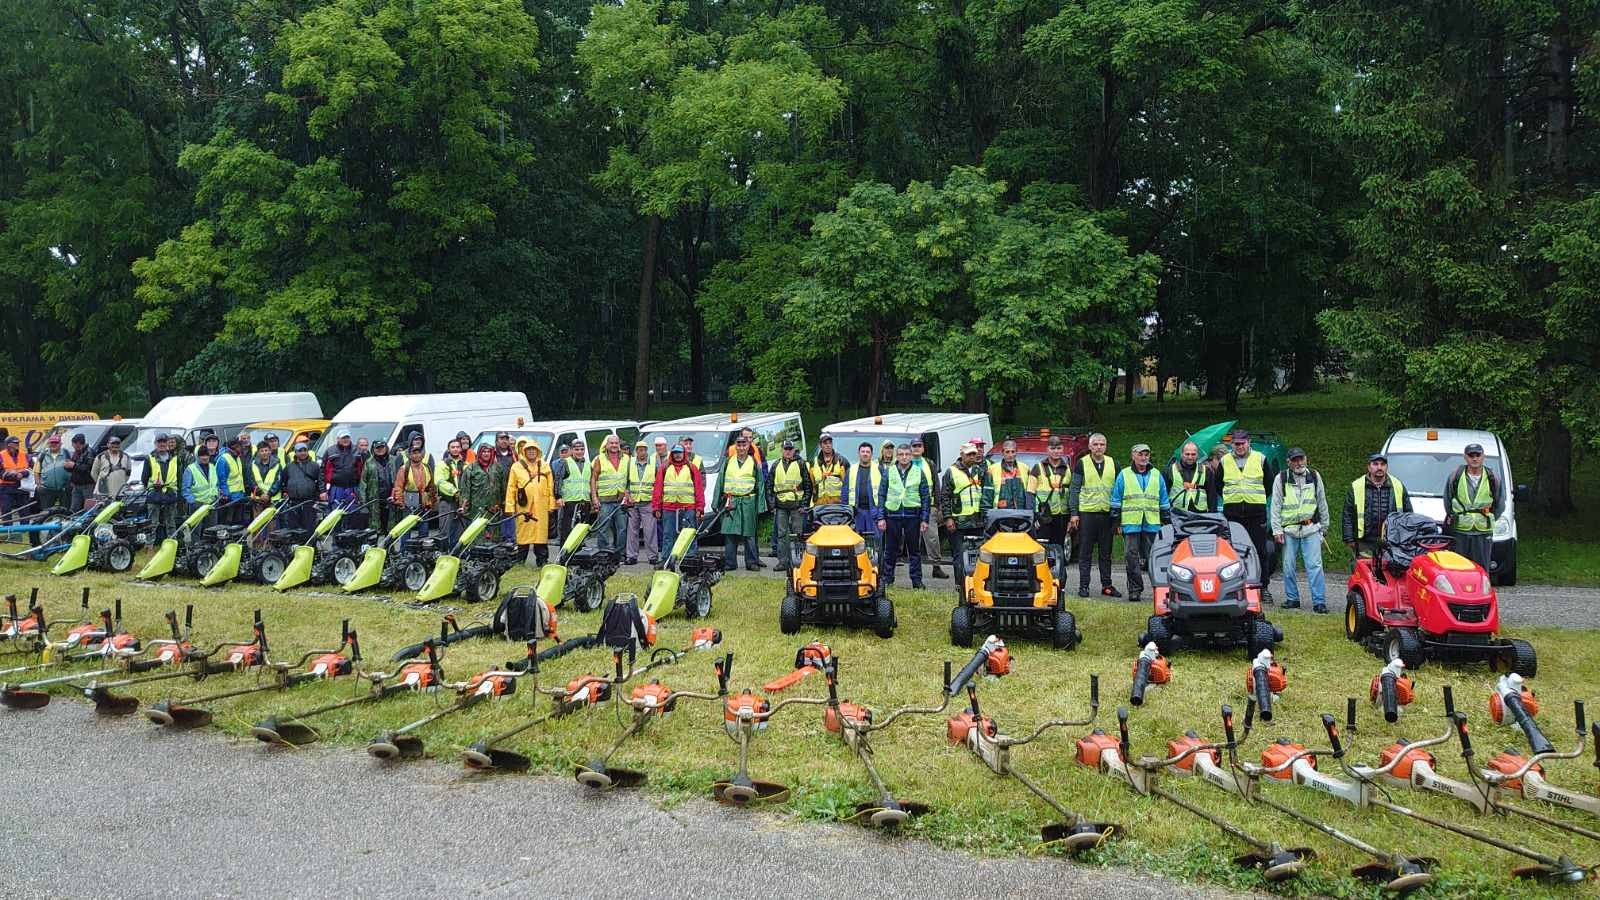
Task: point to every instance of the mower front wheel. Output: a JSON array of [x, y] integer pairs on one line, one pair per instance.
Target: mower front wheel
[[883, 621], [204, 561], [789, 614], [1065, 635], [482, 585], [1404, 644], [961, 626], [1263, 636], [699, 603], [1159, 632], [1357, 627], [343, 568], [591, 597], [413, 575], [270, 569], [1518, 656]]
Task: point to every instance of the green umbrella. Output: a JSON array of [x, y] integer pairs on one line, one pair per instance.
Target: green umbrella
[[1205, 439]]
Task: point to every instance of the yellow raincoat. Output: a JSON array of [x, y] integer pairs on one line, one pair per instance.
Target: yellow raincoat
[[530, 489]]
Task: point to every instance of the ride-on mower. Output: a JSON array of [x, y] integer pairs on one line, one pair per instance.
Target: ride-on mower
[[1013, 584], [1423, 601], [686, 580], [1206, 581], [834, 578], [1112, 756]]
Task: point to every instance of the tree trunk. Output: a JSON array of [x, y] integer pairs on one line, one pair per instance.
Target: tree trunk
[[1552, 489], [875, 368], [1305, 371], [1558, 106], [152, 380], [641, 347], [1111, 390], [1082, 407], [1135, 369], [1103, 169], [835, 387]]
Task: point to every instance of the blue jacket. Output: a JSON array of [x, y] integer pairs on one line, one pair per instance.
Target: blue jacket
[[1116, 499], [883, 498], [225, 464]]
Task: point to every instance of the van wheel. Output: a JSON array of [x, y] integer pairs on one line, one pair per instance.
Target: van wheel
[[961, 626], [884, 623], [1066, 634], [789, 614]]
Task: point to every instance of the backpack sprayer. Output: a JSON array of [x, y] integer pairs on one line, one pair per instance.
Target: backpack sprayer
[[1113, 756], [649, 701], [980, 734], [291, 729], [319, 665], [1293, 763]]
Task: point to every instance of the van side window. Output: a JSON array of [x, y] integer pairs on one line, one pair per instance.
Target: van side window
[[795, 431], [595, 440], [771, 438], [406, 433], [930, 450], [629, 436], [565, 440]]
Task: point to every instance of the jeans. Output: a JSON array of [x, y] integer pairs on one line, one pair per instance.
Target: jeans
[[613, 533], [673, 521], [12, 499], [641, 529], [787, 525], [903, 535], [1308, 549], [345, 499], [571, 513], [1135, 556]]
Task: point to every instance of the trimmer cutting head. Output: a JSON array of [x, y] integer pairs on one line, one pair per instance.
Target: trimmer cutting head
[[14, 698], [170, 715], [742, 791], [889, 814], [273, 730], [601, 777], [1079, 837], [109, 704], [1277, 866], [396, 746], [1400, 877]]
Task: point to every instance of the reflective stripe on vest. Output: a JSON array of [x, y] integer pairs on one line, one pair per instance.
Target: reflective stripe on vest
[[786, 480], [1141, 505], [613, 480], [235, 475], [739, 479], [677, 485], [828, 480], [575, 484], [1050, 489], [1095, 495], [1299, 501], [968, 493], [169, 476], [1188, 495], [1246, 485], [1358, 490], [641, 475], [268, 477], [203, 483], [1466, 503], [904, 492], [876, 478]]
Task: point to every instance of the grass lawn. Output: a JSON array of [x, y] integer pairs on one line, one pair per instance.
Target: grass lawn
[[973, 809]]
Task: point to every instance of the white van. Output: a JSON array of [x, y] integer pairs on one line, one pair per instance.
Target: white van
[[1423, 459], [194, 417], [942, 434], [437, 417], [713, 434], [554, 434]]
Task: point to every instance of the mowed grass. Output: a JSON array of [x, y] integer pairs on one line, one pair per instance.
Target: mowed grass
[[973, 809]]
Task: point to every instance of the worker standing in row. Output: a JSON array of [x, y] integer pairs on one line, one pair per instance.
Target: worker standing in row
[[741, 492], [680, 494], [963, 498], [529, 498], [1299, 513], [1140, 504], [640, 529], [930, 535], [828, 472], [789, 491], [1474, 501], [572, 488], [163, 483], [608, 491], [1090, 502], [861, 491], [1008, 482], [1370, 500], [1246, 479], [1051, 482], [904, 496], [1192, 483]]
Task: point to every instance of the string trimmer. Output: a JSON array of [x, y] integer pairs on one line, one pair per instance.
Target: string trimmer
[[31, 633], [90, 635], [320, 664], [118, 654], [292, 729], [403, 742], [1113, 756], [1292, 763], [651, 700], [983, 737], [228, 656]]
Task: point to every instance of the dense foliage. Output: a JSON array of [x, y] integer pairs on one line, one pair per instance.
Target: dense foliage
[[815, 203]]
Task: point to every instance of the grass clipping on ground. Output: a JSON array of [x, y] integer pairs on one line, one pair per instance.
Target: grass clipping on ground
[[972, 808]]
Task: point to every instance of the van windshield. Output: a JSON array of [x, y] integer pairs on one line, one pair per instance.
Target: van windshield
[[710, 446], [144, 440], [1424, 474], [848, 444], [372, 431], [543, 438]]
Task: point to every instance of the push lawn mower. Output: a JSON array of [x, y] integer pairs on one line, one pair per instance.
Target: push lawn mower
[[110, 539], [980, 734], [1206, 581], [320, 665], [1012, 584], [686, 580], [1112, 756], [167, 554], [302, 565], [239, 557], [375, 565], [651, 700], [1423, 601], [579, 573], [471, 568], [292, 730], [1291, 763], [833, 578]]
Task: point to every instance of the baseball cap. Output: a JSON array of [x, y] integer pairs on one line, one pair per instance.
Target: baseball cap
[[56, 439], [380, 442], [501, 434], [272, 437], [343, 434], [302, 446], [1055, 441], [12, 439], [825, 437], [1239, 434], [115, 440], [888, 444], [788, 444], [1377, 457], [660, 440], [968, 447], [1296, 453], [978, 442], [677, 448], [77, 439], [640, 445], [1474, 448], [1140, 448]]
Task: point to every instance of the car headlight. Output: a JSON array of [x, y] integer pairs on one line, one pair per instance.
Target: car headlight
[[1231, 570], [104, 532], [1179, 573], [1502, 526], [1443, 585]]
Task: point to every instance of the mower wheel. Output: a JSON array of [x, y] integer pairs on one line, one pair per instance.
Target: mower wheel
[[961, 626], [1065, 636], [1157, 630], [1262, 637], [344, 568], [590, 596], [1519, 657], [413, 575], [1356, 624], [1404, 644], [119, 556], [270, 568], [482, 585], [699, 605], [883, 624], [204, 561], [789, 614]]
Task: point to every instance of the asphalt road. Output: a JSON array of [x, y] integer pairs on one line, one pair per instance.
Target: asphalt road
[[121, 809]]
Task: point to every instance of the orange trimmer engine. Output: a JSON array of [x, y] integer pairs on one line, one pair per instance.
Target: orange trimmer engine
[[813, 657], [1094, 745], [653, 697], [243, 656], [745, 707], [854, 712], [1508, 763], [491, 684], [587, 689], [960, 727], [1185, 747], [1411, 756], [418, 676], [330, 665], [704, 638], [1278, 752]]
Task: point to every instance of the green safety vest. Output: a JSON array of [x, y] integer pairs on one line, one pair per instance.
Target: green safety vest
[[1247, 485], [575, 484], [1140, 505], [968, 494], [1299, 501], [1049, 489], [613, 480], [204, 484], [1095, 495], [235, 475], [168, 474], [677, 485], [828, 480], [786, 480], [876, 478], [1187, 497], [739, 479], [1465, 504], [904, 492], [641, 475], [1358, 490], [270, 476]]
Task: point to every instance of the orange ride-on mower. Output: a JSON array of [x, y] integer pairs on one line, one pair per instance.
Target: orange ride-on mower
[[1422, 601], [1112, 756], [834, 578], [1012, 584], [1207, 587]]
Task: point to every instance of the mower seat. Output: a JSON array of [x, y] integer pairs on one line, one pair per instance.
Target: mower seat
[[1407, 536], [997, 521], [830, 514], [1203, 531]]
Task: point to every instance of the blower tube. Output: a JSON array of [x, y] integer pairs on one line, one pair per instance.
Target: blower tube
[[978, 661], [1511, 698], [1260, 683], [1141, 674]]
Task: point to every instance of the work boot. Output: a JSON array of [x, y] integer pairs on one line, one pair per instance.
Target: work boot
[[1110, 591], [753, 567], [758, 564], [938, 572], [1320, 609], [1266, 596], [1291, 604], [1083, 592], [1135, 598]]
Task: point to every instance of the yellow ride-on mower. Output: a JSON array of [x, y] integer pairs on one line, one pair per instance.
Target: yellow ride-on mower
[[833, 579], [1012, 584]]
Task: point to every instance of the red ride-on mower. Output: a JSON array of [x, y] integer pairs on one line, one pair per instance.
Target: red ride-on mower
[[1207, 584], [1422, 601]]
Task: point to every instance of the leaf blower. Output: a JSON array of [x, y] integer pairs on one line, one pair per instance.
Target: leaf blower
[[1150, 668], [1513, 701], [1391, 689], [1264, 682]]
